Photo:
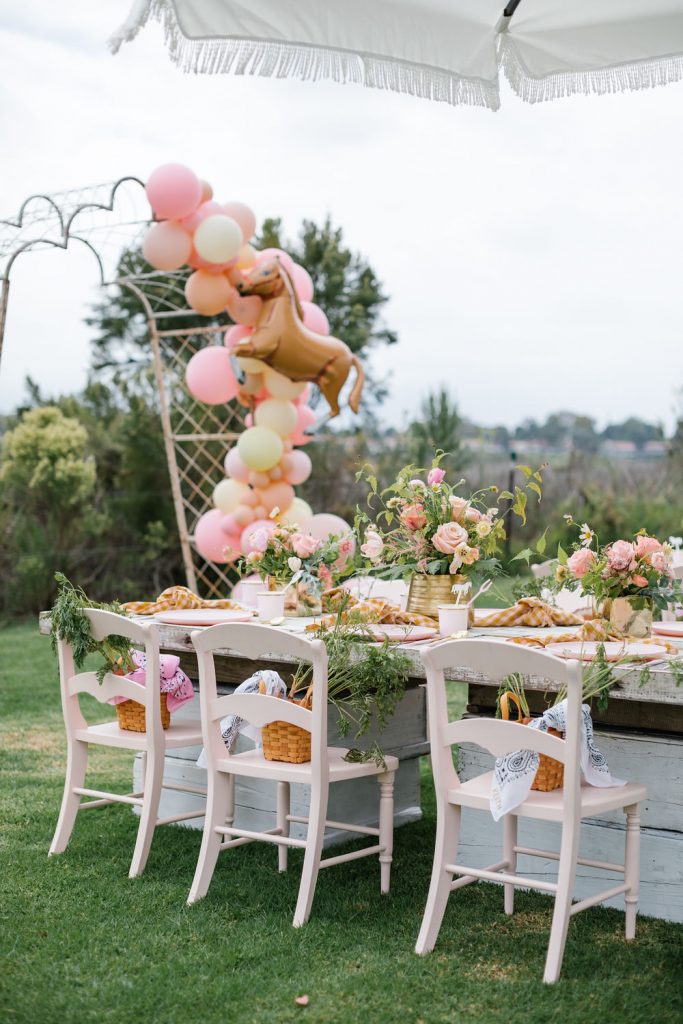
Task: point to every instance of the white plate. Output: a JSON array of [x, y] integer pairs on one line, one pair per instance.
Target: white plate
[[668, 628], [202, 616], [614, 649], [402, 634]]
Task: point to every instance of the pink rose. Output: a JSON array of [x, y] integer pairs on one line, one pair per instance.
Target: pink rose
[[373, 546], [413, 517], [259, 539], [473, 515], [660, 563], [580, 562], [620, 556], [325, 577], [647, 546], [458, 507], [304, 545], [449, 537], [435, 477]]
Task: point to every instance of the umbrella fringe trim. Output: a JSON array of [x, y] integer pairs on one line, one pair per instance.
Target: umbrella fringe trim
[[308, 63], [631, 77]]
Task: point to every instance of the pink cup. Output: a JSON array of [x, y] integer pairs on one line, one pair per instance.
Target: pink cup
[[270, 604], [453, 619]]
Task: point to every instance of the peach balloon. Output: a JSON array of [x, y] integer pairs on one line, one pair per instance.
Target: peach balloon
[[260, 511], [269, 254], [299, 467], [209, 538], [235, 468], [173, 191], [244, 309], [244, 216], [207, 293], [278, 495], [243, 515], [305, 418], [303, 283], [275, 473], [209, 376], [252, 385], [207, 191], [314, 318], [167, 246], [257, 479], [251, 498], [246, 258]]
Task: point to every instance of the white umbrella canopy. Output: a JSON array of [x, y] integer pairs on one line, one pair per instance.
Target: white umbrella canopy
[[449, 50]]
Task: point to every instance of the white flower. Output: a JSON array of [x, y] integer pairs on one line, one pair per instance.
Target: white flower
[[586, 536], [274, 512], [491, 513], [483, 528], [373, 546], [294, 563]]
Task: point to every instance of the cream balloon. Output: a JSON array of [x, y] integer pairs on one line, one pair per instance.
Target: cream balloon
[[278, 415], [218, 239], [281, 386], [228, 494], [260, 448], [298, 512], [246, 257]]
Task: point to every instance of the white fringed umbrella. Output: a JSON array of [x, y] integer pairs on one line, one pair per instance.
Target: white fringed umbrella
[[450, 50]]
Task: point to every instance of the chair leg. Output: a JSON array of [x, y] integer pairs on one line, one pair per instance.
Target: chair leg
[[220, 810], [76, 766], [447, 836], [282, 823], [509, 843], [386, 827], [632, 868], [152, 780], [569, 851], [314, 845]]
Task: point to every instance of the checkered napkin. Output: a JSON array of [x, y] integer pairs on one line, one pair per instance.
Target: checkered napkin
[[530, 611], [595, 630], [368, 609], [178, 597]]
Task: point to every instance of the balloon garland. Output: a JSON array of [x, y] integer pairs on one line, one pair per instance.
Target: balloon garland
[[267, 463]]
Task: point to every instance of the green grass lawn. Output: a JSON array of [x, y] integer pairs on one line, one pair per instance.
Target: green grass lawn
[[81, 942]]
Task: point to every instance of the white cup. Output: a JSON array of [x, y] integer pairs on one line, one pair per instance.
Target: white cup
[[453, 619], [270, 604], [248, 591]]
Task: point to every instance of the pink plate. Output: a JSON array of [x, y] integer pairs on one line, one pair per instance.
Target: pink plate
[[401, 634], [668, 629], [202, 616], [614, 650]]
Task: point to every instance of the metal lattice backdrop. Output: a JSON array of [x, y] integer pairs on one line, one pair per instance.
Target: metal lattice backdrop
[[196, 436]]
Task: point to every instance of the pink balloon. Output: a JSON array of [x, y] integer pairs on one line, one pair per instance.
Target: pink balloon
[[204, 210], [302, 282], [305, 417], [270, 254], [198, 262], [209, 537], [167, 245], [315, 319], [235, 468], [262, 528], [209, 376], [173, 191], [235, 334], [324, 525], [244, 216], [278, 495], [299, 467], [229, 524]]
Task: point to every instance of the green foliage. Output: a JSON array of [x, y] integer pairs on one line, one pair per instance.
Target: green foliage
[[438, 426], [69, 623]]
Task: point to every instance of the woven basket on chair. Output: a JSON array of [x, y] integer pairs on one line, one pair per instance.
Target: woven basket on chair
[[283, 741], [550, 774], [131, 715]]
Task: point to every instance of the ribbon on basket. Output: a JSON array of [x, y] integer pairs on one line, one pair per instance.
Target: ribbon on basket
[[172, 680], [368, 609], [232, 725], [514, 773], [530, 611], [179, 597]]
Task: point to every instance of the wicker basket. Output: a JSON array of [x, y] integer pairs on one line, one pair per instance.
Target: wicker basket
[[550, 774], [131, 715], [283, 741]]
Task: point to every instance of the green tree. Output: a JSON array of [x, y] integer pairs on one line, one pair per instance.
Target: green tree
[[438, 426]]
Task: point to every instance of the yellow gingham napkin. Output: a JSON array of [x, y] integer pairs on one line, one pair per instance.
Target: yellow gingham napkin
[[595, 630], [178, 597], [530, 611], [369, 609]]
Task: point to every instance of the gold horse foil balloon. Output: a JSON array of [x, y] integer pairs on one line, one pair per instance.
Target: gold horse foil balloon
[[282, 340]]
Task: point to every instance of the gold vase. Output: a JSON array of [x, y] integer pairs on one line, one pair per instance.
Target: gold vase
[[629, 616], [427, 592]]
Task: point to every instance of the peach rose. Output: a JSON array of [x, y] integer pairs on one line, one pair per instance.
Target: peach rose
[[413, 517], [304, 545], [647, 546], [580, 562], [620, 556], [473, 515], [449, 537], [638, 581], [458, 507]]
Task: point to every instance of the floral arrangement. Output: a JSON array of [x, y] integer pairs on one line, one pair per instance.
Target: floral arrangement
[[637, 568], [427, 526], [287, 555]]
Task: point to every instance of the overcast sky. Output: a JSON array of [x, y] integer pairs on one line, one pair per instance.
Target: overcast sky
[[532, 256]]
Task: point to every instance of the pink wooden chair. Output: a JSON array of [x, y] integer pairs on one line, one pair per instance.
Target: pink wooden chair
[[568, 805], [153, 743], [327, 765]]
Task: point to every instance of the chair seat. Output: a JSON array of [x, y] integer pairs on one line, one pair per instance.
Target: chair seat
[[548, 806], [108, 734], [254, 764]]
